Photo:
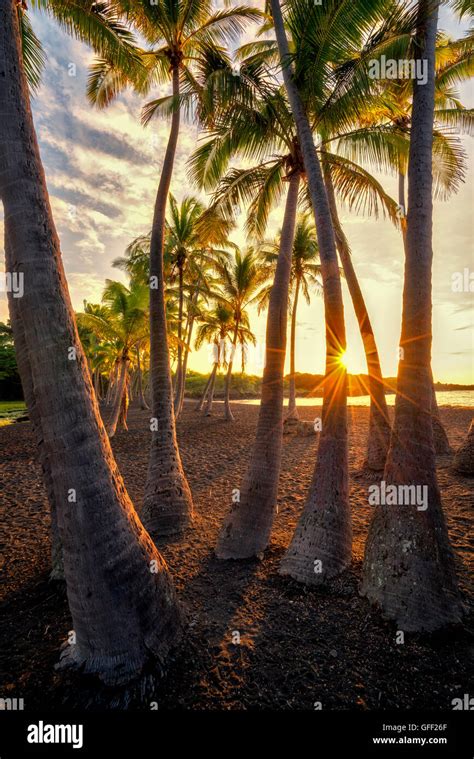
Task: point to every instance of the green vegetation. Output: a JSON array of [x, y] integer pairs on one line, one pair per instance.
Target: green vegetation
[[11, 410]]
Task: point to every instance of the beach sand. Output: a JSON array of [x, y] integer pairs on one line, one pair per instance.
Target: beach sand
[[297, 645]]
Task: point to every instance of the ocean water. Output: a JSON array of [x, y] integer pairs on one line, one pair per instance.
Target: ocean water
[[444, 397]]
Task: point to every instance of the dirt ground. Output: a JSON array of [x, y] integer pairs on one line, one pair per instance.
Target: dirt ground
[[297, 646]]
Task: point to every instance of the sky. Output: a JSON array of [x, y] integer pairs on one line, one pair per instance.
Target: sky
[[103, 168]]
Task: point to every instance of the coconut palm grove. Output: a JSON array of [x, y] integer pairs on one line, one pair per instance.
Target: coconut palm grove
[[236, 418]]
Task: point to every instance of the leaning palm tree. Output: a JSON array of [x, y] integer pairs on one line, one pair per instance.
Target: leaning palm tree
[[184, 40], [408, 566], [305, 275], [118, 625]]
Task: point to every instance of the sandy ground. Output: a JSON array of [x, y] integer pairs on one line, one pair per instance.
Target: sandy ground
[[297, 645]]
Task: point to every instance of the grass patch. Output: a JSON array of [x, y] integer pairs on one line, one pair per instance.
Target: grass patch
[[10, 410]]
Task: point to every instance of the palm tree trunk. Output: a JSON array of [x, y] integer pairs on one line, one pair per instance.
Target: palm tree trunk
[[324, 531], [122, 388], [228, 415], [402, 202], [200, 404], [207, 410], [246, 529], [97, 385], [464, 458], [141, 397], [185, 364], [379, 421], [111, 385], [292, 408], [189, 334], [21, 353], [440, 437], [408, 566], [179, 371], [168, 505], [122, 613]]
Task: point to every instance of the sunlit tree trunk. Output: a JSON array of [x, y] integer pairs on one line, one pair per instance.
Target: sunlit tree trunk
[[200, 404], [292, 408], [189, 336], [246, 529], [228, 415], [27, 383], [179, 371], [408, 567], [97, 384], [141, 397], [207, 409], [167, 506], [379, 421], [122, 613], [120, 396], [324, 532], [440, 437]]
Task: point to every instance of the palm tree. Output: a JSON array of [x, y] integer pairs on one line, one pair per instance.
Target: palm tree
[[124, 323], [383, 138], [192, 234], [214, 329], [259, 124], [182, 239], [324, 531], [305, 275], [27, 383], [379, 422], [241, 281], [408, 566], [122, 613], [185, 39]]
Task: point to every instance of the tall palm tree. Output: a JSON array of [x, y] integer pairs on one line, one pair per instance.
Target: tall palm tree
[[408, 566], [184, 40], [324, 531], [260, 125], [379, 422], [122, 613], [384, 134], [305, 275], [246, 528]]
